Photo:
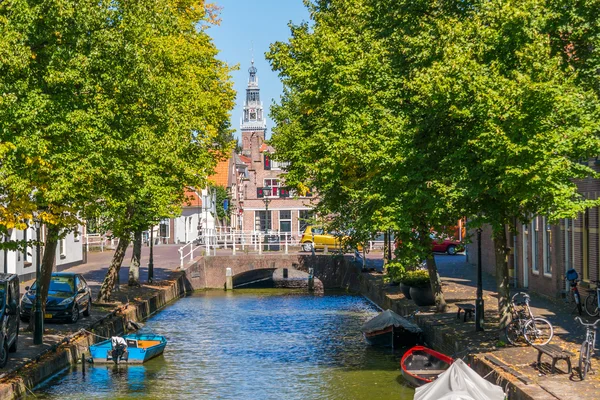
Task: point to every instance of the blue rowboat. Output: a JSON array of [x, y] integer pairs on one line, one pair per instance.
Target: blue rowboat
[[140, 348]]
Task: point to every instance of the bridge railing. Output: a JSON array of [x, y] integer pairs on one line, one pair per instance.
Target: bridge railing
[[249, 242]]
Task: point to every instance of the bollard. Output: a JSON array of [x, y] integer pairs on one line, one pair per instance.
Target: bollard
[[228, 279], [285, 273], [326, 249], [311, 280], [83, 364]]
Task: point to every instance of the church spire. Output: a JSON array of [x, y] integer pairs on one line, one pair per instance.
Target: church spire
[[253, 119]]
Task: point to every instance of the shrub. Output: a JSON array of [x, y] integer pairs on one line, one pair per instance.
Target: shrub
[[395, 271], [418, 278]]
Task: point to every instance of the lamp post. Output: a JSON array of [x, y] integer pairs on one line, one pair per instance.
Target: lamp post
[[267, 191], [38, 317], [151, 260], [479, 302]]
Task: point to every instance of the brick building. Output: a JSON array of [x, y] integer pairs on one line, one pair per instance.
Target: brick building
[[543, 252], [261, 202]]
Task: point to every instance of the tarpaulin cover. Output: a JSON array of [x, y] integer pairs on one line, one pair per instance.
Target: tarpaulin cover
[[389, 318], [459, 382]]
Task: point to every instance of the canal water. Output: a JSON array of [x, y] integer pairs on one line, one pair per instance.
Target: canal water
[[250, 344]]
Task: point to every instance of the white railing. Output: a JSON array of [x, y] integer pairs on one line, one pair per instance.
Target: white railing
[[185, 251], [94, 240], [249, 241]]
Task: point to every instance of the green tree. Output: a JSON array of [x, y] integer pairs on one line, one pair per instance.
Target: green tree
[[411, 114]]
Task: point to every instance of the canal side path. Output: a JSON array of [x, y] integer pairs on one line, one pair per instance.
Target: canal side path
[[458, 279], [457, 337]]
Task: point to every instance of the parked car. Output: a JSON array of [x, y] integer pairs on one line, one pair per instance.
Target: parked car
[[445, 245], [68, 296], [317, 237], [9, 308]]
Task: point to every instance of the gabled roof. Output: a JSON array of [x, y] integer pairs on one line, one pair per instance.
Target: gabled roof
[[245, 159], [221, 175], [265, 147], [192, 198]]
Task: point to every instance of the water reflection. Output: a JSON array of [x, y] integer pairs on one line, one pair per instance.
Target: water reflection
[[251, 344]]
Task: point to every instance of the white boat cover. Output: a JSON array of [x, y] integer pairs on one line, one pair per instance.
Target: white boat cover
[[389, 318], [459, 382]]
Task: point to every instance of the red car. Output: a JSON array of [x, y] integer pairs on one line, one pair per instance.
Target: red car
[[450, 246]]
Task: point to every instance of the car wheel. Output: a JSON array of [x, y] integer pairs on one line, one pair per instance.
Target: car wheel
[[451, 250], [307, 246], [75, 315], [13, 347], [3, 354], [88, 309]]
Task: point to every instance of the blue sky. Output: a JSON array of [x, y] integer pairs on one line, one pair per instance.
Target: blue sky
[[254, 22]]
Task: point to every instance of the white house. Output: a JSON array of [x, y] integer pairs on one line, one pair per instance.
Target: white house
[[69, 252]]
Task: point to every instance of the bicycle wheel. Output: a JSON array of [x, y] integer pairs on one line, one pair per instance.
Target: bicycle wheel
[[584, 360], [591, 305], [538, 331], [513, 332]]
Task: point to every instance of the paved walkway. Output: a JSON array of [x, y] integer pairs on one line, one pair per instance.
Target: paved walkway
[[459, 285]]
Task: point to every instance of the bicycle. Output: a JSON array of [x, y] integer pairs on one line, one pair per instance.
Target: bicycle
[[573, 277], [534, 330], [591, 304], [587, 348]]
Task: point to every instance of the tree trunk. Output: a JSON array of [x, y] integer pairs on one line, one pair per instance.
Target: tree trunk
[[385, 248], [502, 280], [113, 271], [434, 276], [46, 268], [134, 266]]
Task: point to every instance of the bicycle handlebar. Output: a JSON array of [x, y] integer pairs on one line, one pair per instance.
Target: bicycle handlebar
[[584, 324]]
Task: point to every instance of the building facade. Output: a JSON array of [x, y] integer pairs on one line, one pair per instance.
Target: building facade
[[261, 201], [70, 252], [542, 252]]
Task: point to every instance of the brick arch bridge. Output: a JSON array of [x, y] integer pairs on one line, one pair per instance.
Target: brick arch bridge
[[209, 272]]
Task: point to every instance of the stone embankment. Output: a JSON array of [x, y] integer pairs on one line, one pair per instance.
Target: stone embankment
[[68, 349]]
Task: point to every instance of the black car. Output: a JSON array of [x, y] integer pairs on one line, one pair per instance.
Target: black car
[[68, 296], [9, 309]]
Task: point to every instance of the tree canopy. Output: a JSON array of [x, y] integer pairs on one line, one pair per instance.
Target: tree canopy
[[411, 114], [109, 109]]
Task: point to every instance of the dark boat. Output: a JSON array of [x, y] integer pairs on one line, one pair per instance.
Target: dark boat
[[389, 329], [421, 365]]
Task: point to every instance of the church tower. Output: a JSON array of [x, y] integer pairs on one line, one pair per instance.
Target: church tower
[[253, 124]]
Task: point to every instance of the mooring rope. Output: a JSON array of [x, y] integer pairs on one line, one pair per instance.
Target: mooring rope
[[92, 333]]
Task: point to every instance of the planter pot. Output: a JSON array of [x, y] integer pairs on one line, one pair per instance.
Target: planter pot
[[422, 296], [405, 290]]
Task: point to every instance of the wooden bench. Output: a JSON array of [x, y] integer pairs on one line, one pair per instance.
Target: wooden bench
[[555, 352], [468, 308]]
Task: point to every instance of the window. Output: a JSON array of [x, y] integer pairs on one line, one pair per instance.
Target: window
[[285, 221], [62, 245], [267, 158], [164, 230], [25, 241], [274, 185], [304, 218], [261, 223], [534, 243], [546, 246]]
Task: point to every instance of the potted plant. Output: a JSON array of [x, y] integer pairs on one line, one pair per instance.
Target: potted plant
[[420, 287], [395, 272]]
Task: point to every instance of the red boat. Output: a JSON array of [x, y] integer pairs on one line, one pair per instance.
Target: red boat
[[421, 365]]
